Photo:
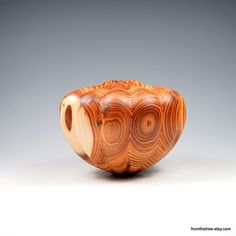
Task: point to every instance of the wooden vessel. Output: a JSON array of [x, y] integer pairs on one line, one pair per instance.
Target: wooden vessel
[[122, 126]]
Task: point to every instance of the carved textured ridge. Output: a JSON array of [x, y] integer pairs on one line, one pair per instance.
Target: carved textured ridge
[[123, 126]]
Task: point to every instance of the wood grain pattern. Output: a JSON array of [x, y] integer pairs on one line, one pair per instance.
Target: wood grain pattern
[[123, 126]]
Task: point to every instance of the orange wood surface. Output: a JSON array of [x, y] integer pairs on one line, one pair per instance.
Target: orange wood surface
[[122, 126]]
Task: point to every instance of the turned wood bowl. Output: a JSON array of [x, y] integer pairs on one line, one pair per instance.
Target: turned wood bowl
[[123, 126]]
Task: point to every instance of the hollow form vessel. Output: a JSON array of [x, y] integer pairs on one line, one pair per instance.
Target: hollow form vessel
[[123, 126]]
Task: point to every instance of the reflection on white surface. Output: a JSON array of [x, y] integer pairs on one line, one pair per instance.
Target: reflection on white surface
[[73, 198]]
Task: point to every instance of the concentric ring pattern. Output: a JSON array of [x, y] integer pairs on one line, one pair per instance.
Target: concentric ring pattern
[[122, 126]]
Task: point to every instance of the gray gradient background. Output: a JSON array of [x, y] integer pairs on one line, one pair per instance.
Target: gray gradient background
[[48, 48]]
